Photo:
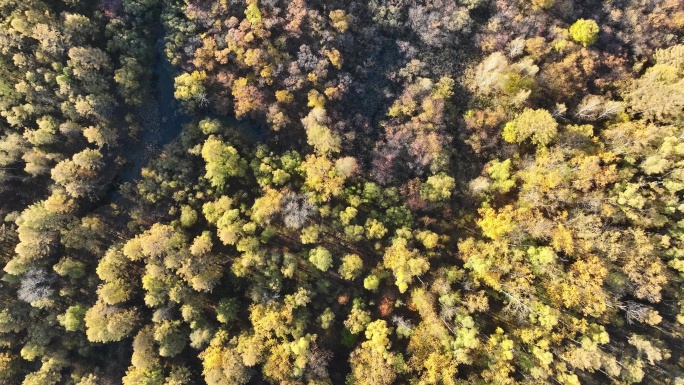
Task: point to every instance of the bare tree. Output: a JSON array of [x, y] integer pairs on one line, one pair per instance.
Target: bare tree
[[35, 286]]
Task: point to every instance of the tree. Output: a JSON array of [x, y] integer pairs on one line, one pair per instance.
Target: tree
[[226, 310], [438, 187], [188, 216], [340, 20], [247, 96], [501, 173], [38, 231], [170, 337], [210, 126], [351, 267], [584, 32], [8, 366], [48, 374], [375, 229], [372, 362], [45, 135], [202, 244], [252, 13], [594, 107], [201, 270], [129, 77], [321, 258], [358, 318], [222, 161], [12, 147], [222, 363], [296, 210], [144, 355], [538, 125], [542, 4], [189, 86], [78, 28], [658, 94], [81, 176], [429, 239], [87, 234], [115, 291], [135, 376], [310, 234], [35, 287], [267, 206], [322, 178], [371, 282], [511, 83], [501, 354], [347, 166], [318, 134], [39, 162], [114, 267], [91, 66], [438, 24], [106, 323], [646, 347], [404, 263]]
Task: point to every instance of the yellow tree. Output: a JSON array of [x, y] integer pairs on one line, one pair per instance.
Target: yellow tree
[[321, 177], [538, 125], [404, 263], [372, 363]]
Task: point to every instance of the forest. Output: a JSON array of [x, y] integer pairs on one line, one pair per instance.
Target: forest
[[316, 192]]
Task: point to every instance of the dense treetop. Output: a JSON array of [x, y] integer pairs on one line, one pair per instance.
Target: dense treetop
[[340, 192]]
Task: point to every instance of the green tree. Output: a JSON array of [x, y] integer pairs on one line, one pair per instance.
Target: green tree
[[48, 374], [438, 188], [91, 66], [188, 216], [321, 258], [129, 77], [136, 376], [115, 291], [371, 282], [222, 161], [501, 173], [358, 318], [222, 363], [584, 32], [227, 310], [252, 13], [73, 318], [38, 231], [144, 354], [68, 267], [310, 234], [106, 323], [170, 337], [210, 126], [429, 239], [327, 318], [202, 244]]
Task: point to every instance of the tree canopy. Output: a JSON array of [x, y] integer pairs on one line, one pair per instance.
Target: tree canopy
[[341, 192]]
